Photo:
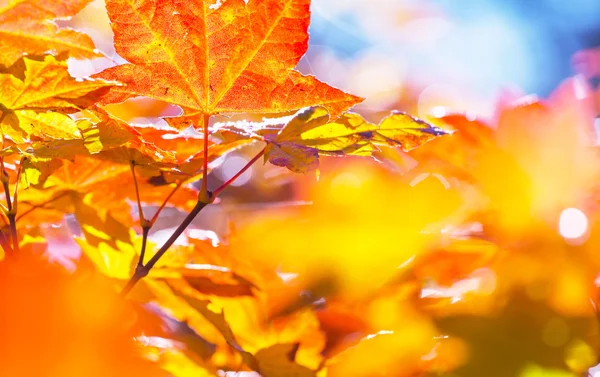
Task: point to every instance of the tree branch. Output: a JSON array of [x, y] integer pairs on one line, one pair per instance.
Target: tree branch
[[164, 203], [142, 270], [11, 211]]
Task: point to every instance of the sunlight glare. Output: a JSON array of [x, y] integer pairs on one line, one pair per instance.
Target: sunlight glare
[[573, 223]]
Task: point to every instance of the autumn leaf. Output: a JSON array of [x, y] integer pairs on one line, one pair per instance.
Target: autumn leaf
[[27, 28], [274, 361], [298, 143], [184, 145], [108, 260], [167, 327], [108, 139], [279, 361], [458, 153], [97, 224], [36, 92], [82, 310], [35, 171], [237, 57], [218, 321], [94, 138], [67, 188], [215, 280]]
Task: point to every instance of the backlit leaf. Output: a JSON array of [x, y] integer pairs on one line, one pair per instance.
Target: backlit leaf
[[35, 171], [34, 87], [311, 133], [279, 361], [238, 57], [215, 280], [26, 28]]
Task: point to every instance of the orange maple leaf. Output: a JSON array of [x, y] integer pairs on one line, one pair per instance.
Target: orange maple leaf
[[210, 58], [26, 28], [36, 95]]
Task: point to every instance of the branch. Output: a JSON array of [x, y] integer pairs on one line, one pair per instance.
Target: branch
[[164, 203], [5, 244], [137, 194], [216, 192], [204, 198], [145, 224], [142, 270], [145, 231], [11, 211]]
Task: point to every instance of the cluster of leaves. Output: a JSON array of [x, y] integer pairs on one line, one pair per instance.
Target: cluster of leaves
[[440, 271], [65, 156]]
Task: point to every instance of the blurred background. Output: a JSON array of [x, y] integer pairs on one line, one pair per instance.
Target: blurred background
[[419, 54], [439, 52]]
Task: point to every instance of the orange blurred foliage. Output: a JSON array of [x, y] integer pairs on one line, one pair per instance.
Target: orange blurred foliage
[[56, 324]]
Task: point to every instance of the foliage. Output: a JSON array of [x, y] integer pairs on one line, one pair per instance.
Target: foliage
[[453, 267]]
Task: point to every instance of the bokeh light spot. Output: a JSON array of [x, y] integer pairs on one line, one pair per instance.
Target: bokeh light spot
[[231, 166], [573, 223]]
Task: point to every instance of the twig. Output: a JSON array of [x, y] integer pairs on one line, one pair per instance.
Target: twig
[[216, 192], [164, 203], [204, 198], [11, 212], [145, 231], [145, 224], [142, 270], [137, 195]]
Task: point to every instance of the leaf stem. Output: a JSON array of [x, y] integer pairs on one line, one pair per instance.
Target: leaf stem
[[204, 194], [142, 270], [11, 210], [216, 192], [5, 181], [16, 189], [145, 231], [5, 244], [164, 203], [137, 195], [145, 224], [13, 231]]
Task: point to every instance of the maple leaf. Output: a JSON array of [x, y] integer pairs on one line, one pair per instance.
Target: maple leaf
[[298, 143], [184, 145], [274, 361], [279, 360], [35, 95], [80, 188], [26, 28], [167, 327], [71, 182], [214, 280], [237, 56], [35, 170], [108, 138]]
